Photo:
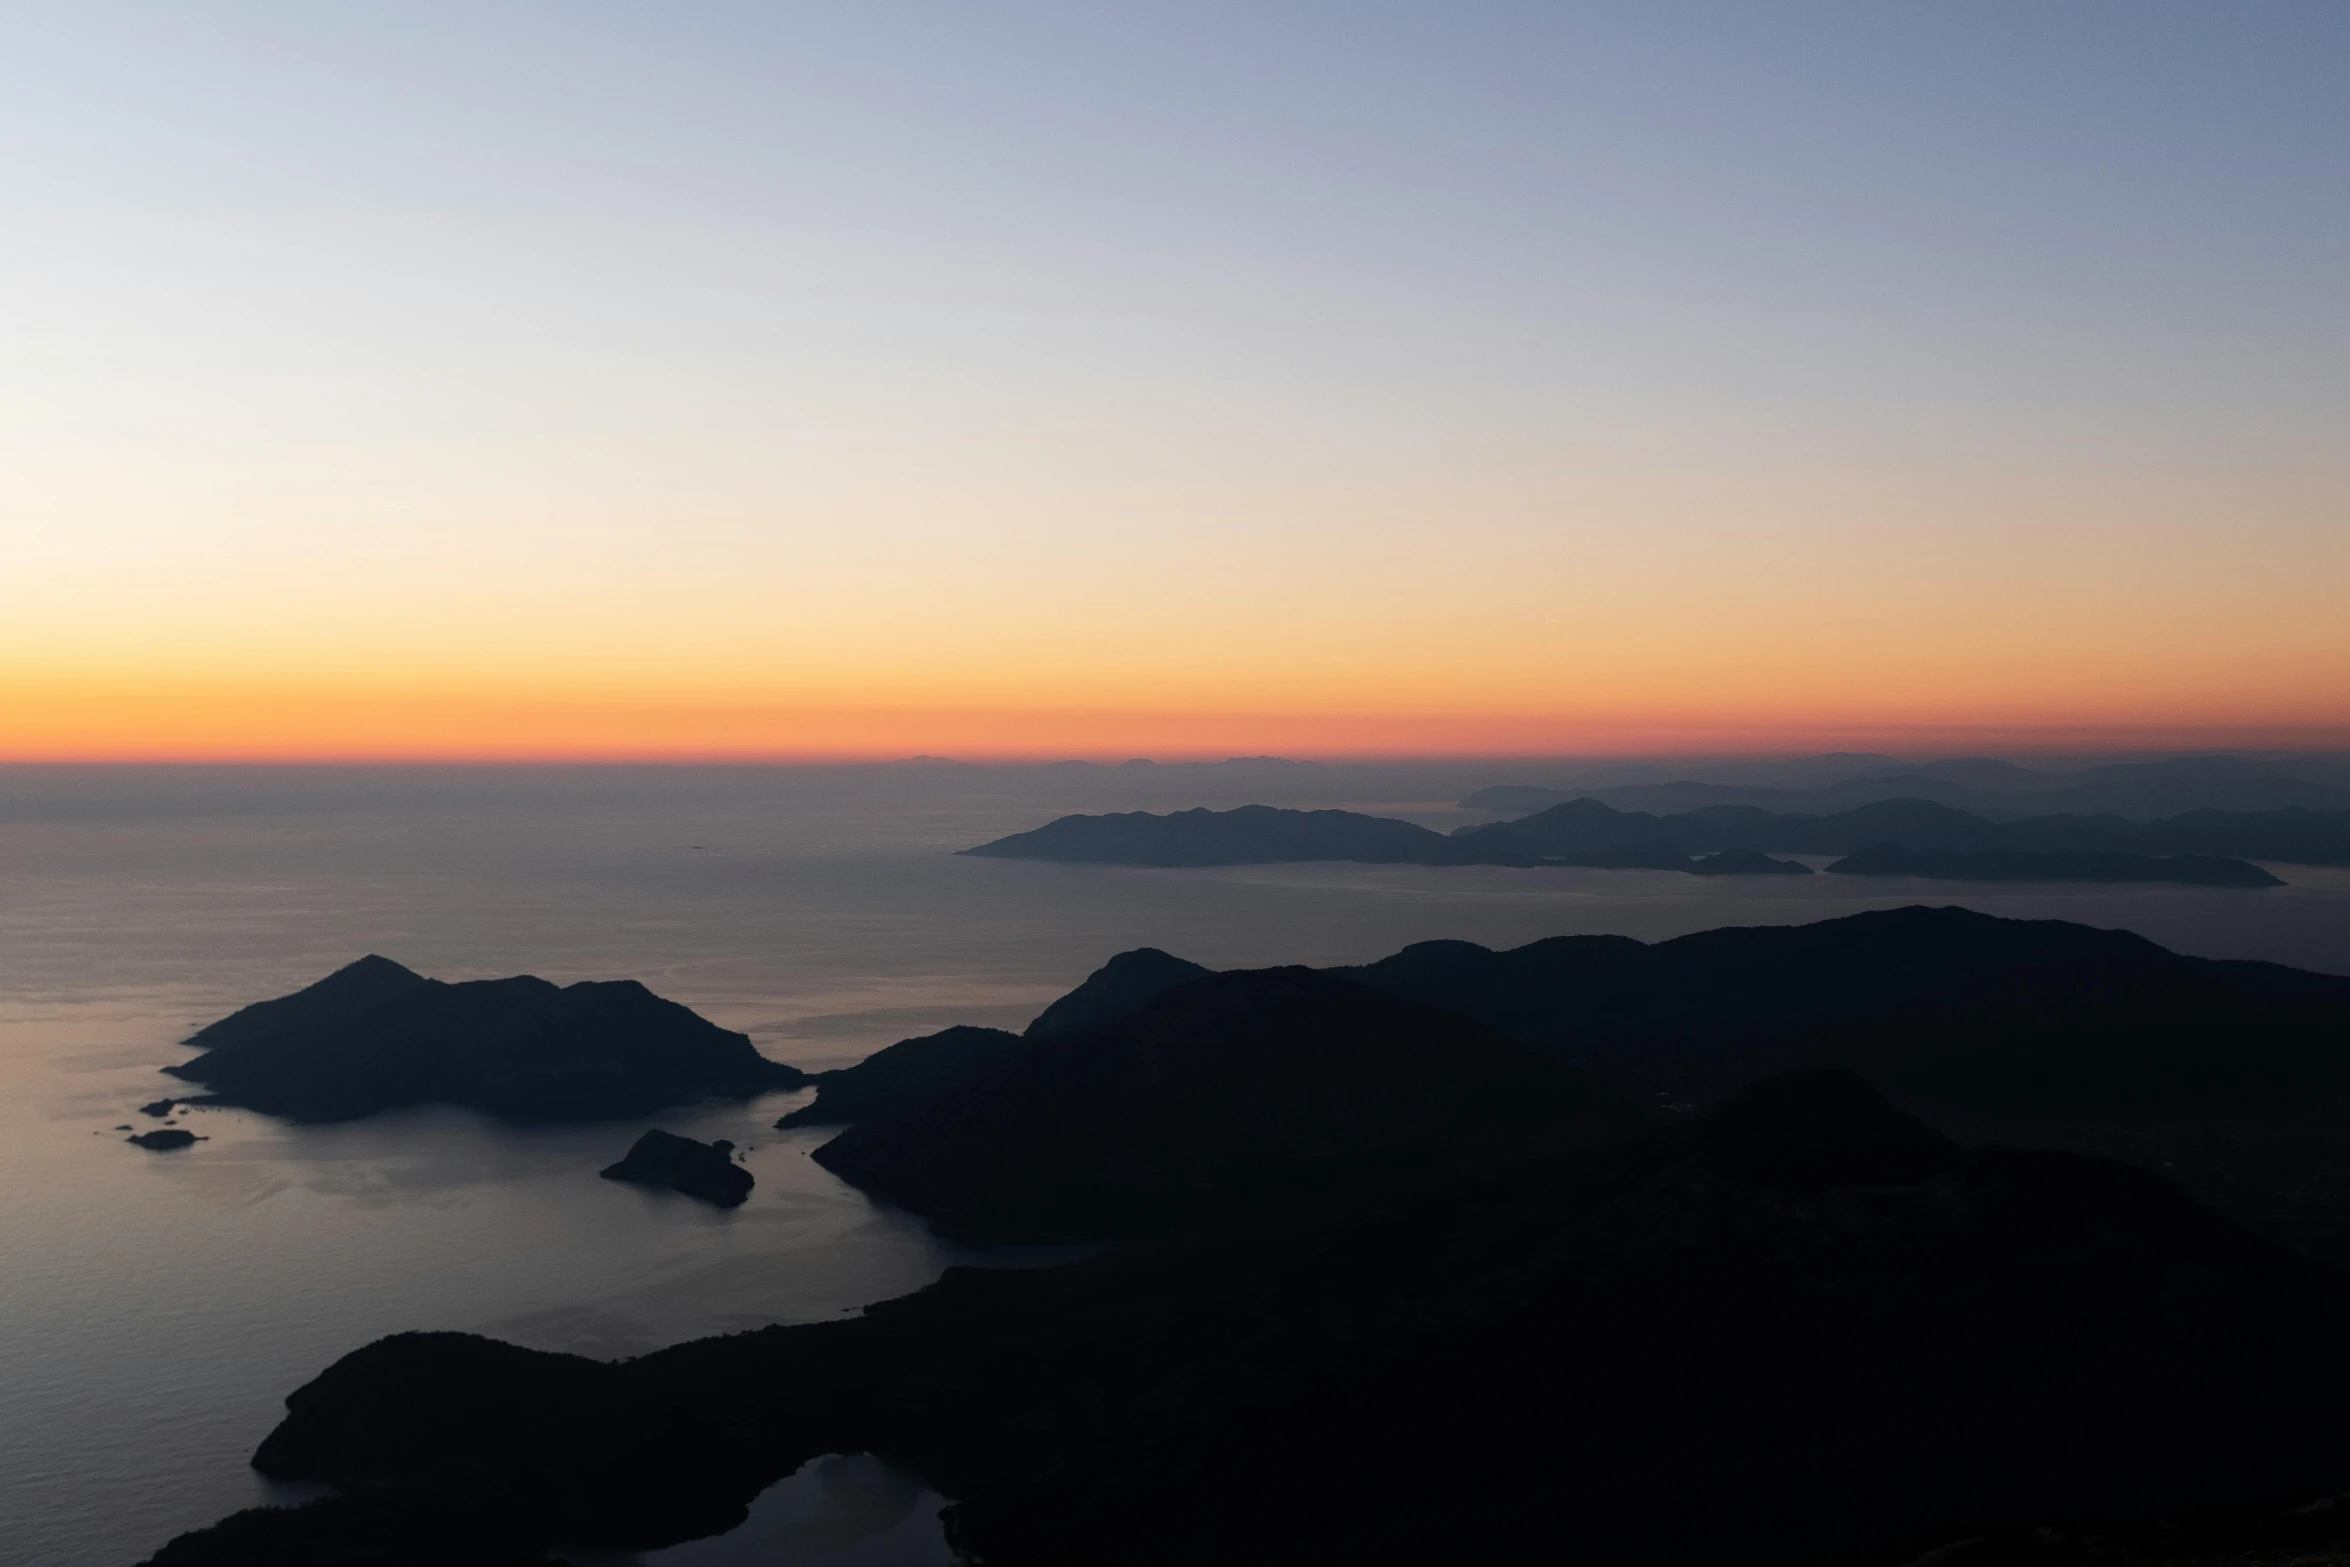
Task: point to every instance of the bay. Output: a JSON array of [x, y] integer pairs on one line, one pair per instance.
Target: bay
[[156, 1308]]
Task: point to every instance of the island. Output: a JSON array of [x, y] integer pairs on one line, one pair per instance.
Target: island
[[164, 1139], [1745, 862], [376, 1036], [1244, 835], [2193, 870], [1800, 1327], [1589, 833], [703, 1170]]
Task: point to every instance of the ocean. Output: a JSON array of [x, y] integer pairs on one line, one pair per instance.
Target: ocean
[[155, 1309]]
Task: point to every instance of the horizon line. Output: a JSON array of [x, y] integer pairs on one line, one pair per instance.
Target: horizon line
[[2083, 747]]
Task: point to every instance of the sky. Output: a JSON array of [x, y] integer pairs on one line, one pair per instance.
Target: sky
[[694, 379]]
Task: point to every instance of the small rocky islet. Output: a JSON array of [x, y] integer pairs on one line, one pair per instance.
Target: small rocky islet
[[680, 1164]]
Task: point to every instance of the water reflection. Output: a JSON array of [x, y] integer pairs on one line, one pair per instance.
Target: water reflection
[[846, 1510], [155, 1310]]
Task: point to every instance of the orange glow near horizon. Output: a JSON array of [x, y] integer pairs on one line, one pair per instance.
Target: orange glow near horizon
[[287, 722], [1630, 604], [834, 398], [1657, 642]]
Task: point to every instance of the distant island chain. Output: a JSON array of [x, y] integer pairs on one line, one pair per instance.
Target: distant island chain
[[1894, 837]]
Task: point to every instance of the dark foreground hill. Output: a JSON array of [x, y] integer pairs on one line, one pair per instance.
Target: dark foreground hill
[[1803, 1329], [375, 1036], [1220, 1097], [1968, 1009], [2236, 1076], [1118, 989], [1587, 832]]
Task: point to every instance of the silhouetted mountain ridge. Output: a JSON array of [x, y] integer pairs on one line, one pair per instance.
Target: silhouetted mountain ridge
[[1803, 1328], [900, 1074], [1221, 1096], [2236, 1073], [1996, 790], [1244, 835], [1118, 989], [374, 1036]]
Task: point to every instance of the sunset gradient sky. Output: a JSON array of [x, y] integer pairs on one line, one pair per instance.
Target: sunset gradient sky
[[728, 379]]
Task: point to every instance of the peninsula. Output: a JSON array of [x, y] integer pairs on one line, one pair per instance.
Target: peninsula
[[1220, 1097], [1802, 1327], [2232, 1075]]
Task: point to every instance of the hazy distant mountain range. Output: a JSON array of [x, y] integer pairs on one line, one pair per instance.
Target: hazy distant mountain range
[[1995, 790]]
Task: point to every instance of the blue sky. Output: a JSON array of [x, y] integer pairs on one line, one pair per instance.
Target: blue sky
[[375, 339]]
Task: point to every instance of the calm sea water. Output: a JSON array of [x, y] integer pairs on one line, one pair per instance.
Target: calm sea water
[[155, 1309]]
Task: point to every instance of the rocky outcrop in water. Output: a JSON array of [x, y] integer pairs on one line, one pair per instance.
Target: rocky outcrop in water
[[163, 1140], [704, 1170]]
